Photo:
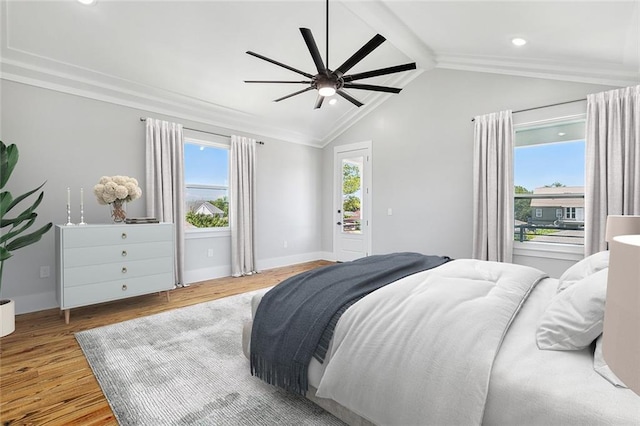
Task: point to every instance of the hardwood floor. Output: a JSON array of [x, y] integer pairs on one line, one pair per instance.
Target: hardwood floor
[[44, 376]]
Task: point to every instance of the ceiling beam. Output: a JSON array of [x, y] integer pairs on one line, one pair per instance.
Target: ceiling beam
[[381, 19]]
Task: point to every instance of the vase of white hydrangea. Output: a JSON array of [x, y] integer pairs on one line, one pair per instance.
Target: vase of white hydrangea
[[117, 191]]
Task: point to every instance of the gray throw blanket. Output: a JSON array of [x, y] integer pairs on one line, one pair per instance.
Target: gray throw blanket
[[292, 317]]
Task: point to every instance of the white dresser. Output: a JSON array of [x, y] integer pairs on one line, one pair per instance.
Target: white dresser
[[100, 263]]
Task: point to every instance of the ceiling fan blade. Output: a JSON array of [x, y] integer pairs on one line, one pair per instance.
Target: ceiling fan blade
[[372, 87], [319, 102], [280, 64], [376, 41], [349, 98], [293, 94], [379, 72], [313, 49], [277, 81]]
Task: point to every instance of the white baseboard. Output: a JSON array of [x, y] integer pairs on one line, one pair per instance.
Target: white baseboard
[[204, 274], [278, 262], [35, 302]]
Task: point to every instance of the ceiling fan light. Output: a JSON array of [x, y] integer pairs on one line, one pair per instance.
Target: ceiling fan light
[[518, 41], [327, 91]]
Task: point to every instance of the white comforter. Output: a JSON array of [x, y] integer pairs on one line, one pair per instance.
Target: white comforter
[[420, 351]]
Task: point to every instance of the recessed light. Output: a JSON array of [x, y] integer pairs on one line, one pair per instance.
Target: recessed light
[[518, 41], [561, 134], [87, 2], [333, 101]]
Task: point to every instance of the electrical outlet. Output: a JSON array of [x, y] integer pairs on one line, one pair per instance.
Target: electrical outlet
[[45, 271], [210, 253]]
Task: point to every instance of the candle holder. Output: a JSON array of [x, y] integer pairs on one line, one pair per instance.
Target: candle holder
[[82, 222], [69, 215]]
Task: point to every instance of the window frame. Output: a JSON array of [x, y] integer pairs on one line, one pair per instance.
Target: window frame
[[559, 251], [213, 232]]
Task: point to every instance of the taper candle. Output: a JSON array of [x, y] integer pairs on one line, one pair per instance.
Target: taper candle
[[68, 196], [81, 197]]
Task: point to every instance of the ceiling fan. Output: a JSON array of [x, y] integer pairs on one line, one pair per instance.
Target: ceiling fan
[[329, 82]]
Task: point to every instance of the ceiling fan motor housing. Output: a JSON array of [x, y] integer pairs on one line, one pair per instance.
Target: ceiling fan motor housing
[[327, 80]]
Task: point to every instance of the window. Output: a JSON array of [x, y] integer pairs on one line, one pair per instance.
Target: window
[[206, 176], [549, 178]]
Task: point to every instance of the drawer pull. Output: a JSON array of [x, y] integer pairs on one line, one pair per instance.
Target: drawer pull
[[124, 287], [124, 270], [124, 253], [124, 235]]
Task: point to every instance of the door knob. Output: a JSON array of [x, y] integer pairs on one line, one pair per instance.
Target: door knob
[[339, 223]]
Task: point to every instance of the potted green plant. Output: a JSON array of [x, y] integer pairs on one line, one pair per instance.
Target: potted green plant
[[16, 235]]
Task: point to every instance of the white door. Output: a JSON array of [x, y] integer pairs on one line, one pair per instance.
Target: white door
[[352, 195]]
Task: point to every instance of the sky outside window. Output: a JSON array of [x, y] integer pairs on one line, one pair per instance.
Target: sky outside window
[[205, 165], [544, 164]]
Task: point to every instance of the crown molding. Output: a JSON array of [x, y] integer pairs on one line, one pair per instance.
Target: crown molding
[[129, 94], [580, 73]]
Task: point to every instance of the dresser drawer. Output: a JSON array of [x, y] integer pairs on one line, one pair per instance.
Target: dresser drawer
[[83, 256], [116, 234], [113, 290], [83, 275]]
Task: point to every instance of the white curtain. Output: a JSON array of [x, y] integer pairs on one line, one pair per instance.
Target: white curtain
[[613, 161], [165, 182], [493, 187], [242, 205]]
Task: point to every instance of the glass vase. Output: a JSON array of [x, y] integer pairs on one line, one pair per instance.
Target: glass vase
[[118, 211]]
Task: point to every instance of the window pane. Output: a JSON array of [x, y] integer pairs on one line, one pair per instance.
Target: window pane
[[549, 184], [206, 186], [352, 194], [206, 165]]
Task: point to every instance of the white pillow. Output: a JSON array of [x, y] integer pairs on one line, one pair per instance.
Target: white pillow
[[574, 317], [587, 266], [602, 368]]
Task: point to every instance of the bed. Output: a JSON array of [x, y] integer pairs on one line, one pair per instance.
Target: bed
[[471, 342]]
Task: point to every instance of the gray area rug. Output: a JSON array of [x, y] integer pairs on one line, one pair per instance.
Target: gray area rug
[[186, 367]]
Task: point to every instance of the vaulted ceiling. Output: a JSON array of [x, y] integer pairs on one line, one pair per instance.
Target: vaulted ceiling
[[187, 58]]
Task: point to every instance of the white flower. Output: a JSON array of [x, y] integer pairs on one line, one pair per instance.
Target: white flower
[[112, 188]]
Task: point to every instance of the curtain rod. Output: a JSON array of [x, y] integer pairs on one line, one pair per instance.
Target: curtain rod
[[204, 131], [544, 106]]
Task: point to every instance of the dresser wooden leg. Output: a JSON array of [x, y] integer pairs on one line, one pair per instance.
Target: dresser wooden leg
[[67, 315]]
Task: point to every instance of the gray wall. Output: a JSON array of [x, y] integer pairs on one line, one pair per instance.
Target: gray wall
[[422, 146], [72, 141], [422, 169]]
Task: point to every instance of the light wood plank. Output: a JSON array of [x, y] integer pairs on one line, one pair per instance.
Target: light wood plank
[[44, 376]]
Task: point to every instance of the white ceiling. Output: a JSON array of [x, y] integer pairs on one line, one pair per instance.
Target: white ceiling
[[187, 58]]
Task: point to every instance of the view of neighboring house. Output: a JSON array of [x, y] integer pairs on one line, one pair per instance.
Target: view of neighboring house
[[208, 209], [564, 212]]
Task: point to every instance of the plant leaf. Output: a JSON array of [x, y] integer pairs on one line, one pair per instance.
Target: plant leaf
[[5, 201], [28, 239], [17, 231], [8, 160], [4, 254], [25, 215], [25, 195]]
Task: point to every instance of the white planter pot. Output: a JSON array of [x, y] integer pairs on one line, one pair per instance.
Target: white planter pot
[[7, 317]]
